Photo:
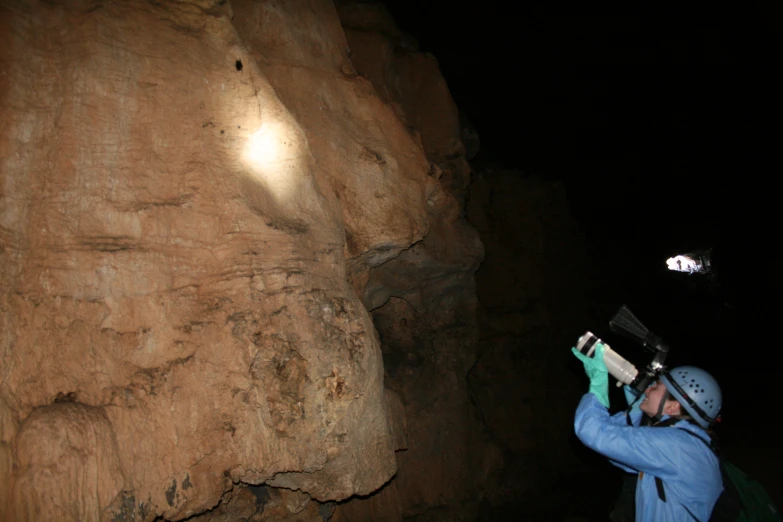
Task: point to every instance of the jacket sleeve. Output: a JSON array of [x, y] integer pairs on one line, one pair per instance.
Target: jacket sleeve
[[622, 419], [632, 448]]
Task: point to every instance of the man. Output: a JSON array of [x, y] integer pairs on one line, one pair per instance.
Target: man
[[679, 476]]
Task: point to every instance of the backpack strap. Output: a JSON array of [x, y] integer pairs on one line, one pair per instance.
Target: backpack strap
[[659, 487], [662, 496], [658, 482]]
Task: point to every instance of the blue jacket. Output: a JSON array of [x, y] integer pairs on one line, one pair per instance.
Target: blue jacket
[[690, 471]]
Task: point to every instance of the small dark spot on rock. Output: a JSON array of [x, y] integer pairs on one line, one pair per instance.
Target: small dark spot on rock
[[65, 397], [279, 311], [222, 131], [371, 155], [326, 510], [236, 317], [127, 508], [171, 492], [262, 495], [186, 483], [144, 509], [239, 65]]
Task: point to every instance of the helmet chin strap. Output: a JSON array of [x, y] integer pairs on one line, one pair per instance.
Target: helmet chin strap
[[659, 414]]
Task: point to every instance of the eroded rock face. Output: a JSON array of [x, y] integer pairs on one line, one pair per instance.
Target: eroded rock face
[[186, 192], [265, 504], [423, 301], [67, 450], [8, 429]]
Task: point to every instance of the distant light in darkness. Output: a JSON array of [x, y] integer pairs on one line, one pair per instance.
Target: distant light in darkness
[[691, 263]]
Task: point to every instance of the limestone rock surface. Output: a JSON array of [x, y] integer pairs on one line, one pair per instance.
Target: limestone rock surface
[[193, 193], [423, 301]]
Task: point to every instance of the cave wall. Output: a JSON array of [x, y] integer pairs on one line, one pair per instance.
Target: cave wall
[[423, 301], [239, 245], [193, 195]]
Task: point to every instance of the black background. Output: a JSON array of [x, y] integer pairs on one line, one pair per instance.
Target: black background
[[661, 130]]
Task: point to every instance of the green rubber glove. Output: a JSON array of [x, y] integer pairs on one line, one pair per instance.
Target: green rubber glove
[[595, 368]]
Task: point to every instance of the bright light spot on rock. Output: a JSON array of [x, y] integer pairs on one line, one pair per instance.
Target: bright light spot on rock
[[263, 147], [272, 155]]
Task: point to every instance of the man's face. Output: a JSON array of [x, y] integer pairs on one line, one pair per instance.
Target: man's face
[[653, 397]]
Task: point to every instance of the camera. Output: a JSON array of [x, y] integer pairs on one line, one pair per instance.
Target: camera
[[626, 324]]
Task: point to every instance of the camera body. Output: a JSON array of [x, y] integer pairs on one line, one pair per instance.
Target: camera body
[[626, 324], [619, 368]]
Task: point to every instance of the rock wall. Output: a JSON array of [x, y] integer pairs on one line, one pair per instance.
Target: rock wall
[[238, 243], [423, 301], [193, 195]]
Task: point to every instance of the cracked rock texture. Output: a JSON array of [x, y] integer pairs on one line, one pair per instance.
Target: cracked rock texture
[[199, 202]]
